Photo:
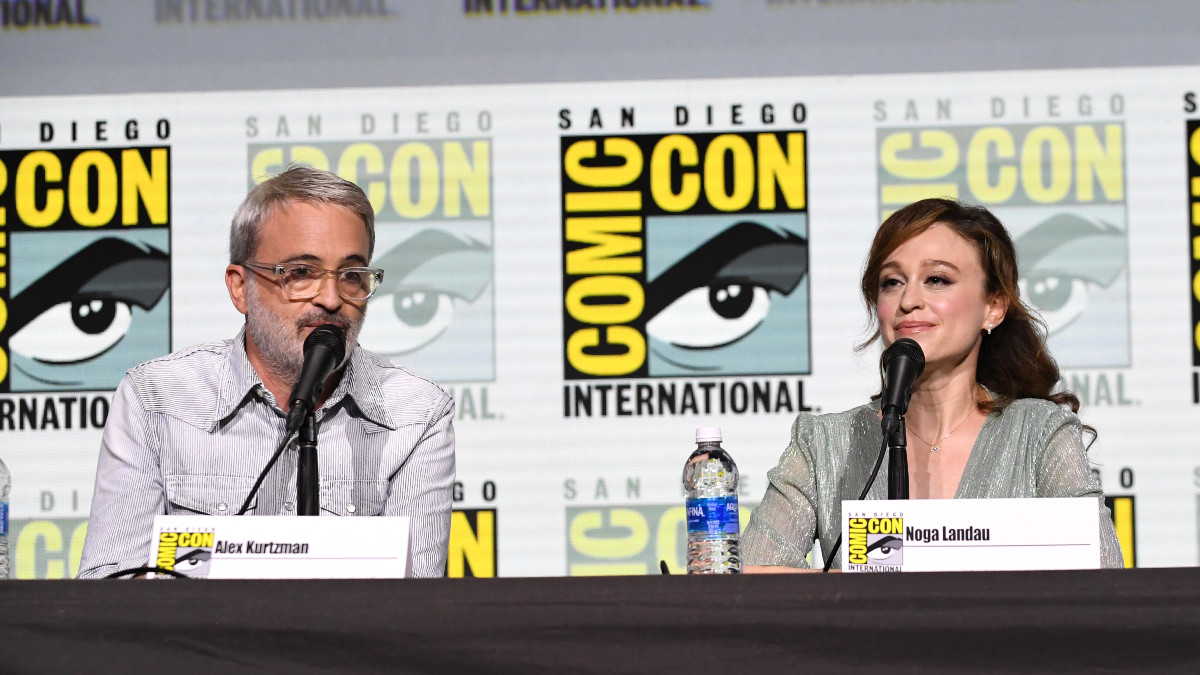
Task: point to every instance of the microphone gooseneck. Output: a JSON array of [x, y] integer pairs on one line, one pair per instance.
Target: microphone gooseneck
[[324, 349], [902, 363]]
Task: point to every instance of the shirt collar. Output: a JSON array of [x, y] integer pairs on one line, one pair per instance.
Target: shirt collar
[[359, 389]]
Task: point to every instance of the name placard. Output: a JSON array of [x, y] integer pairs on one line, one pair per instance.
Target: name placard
[[282, 547], [943, 535]]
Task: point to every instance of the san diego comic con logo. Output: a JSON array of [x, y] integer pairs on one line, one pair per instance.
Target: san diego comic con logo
[[1060, 190], [434, 311], [188, 553], [876, 544], [85, 265], [685, 255]]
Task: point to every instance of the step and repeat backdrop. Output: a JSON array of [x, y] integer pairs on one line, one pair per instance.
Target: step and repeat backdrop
[[594, 269]]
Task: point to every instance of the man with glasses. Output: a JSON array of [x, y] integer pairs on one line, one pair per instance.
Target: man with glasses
[[190, 432]]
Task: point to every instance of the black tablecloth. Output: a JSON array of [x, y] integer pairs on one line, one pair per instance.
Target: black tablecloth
[[1136, 621]]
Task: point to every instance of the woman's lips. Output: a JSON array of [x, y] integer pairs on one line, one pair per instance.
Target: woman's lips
[[912, 327]]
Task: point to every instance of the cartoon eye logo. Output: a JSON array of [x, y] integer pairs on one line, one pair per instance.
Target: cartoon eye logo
[[1059, 299], [712, 316], [721, 292], [1062, 259], [82, 308], [74, 331], [886, 550], [193, 562], [427, 275]]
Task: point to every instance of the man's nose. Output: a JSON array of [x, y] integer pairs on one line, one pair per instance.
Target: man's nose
[[327, 294]]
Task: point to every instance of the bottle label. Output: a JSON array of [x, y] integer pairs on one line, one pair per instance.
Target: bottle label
[[3, 518], [713, 516]]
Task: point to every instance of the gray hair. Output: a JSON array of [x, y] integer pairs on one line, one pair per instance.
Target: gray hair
[[298, 183]]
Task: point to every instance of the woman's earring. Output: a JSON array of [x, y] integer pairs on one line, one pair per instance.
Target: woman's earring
[[989, 329]]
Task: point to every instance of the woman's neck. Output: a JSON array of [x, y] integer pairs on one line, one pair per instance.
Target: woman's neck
[[942, 400]]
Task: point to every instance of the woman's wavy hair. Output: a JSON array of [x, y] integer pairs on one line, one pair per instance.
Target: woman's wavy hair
[[1013, 361]]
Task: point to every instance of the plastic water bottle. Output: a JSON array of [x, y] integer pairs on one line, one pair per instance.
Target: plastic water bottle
[[5, 485], [710, 479]]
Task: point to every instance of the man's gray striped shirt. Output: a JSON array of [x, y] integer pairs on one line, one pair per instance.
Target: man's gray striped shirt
[[188, 433]]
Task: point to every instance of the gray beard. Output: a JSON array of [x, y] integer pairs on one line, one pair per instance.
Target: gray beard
[[278, 338]]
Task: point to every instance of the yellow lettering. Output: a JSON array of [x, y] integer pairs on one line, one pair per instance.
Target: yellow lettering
[[667, 540], [603, 176], [266, 164], [606, 364], [427, 180], [919, 169], [979, 159], [473, 181], [372, 158], [474, 547], [147, 186], [856, 546], [1033, 158], [610, 548], [608, 252], [26, 194], [617, 200], [1102, 160], [627, 289], [3, 187], [1123, 521], [45, 532], [78, 185], [743, 173], [785, 171], [661, 170]]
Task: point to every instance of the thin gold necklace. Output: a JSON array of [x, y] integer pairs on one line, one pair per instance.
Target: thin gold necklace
[[938, 447]]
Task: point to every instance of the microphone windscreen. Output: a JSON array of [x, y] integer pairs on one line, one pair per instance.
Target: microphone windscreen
[[905, 348], [329, 336]]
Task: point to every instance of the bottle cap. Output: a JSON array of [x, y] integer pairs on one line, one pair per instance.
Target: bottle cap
[[708, 434]]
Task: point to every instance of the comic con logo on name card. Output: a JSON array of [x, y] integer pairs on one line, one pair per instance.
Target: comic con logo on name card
[[188, 553], [85, 266], [685, 255], [876, 544], [434, 311], [1060, 190]]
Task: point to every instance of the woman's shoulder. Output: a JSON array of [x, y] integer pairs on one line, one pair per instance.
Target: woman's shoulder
[[835, 423], [1036, 413]]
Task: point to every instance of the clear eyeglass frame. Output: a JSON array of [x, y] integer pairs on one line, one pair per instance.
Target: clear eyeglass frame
[[301, 281]]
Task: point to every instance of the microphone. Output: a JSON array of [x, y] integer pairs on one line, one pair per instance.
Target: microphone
[[902, 364], [324, 349]]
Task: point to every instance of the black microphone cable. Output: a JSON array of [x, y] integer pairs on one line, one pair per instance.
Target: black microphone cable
[[287, 436], [134, 571], [870, 482]]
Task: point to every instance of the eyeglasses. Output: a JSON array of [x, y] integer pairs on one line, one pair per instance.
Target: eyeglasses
[[303, 282]]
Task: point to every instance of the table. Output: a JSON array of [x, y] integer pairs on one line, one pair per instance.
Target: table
[[1122, 620]]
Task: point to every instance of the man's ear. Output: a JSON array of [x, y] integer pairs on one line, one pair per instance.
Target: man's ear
[[236, 281]]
